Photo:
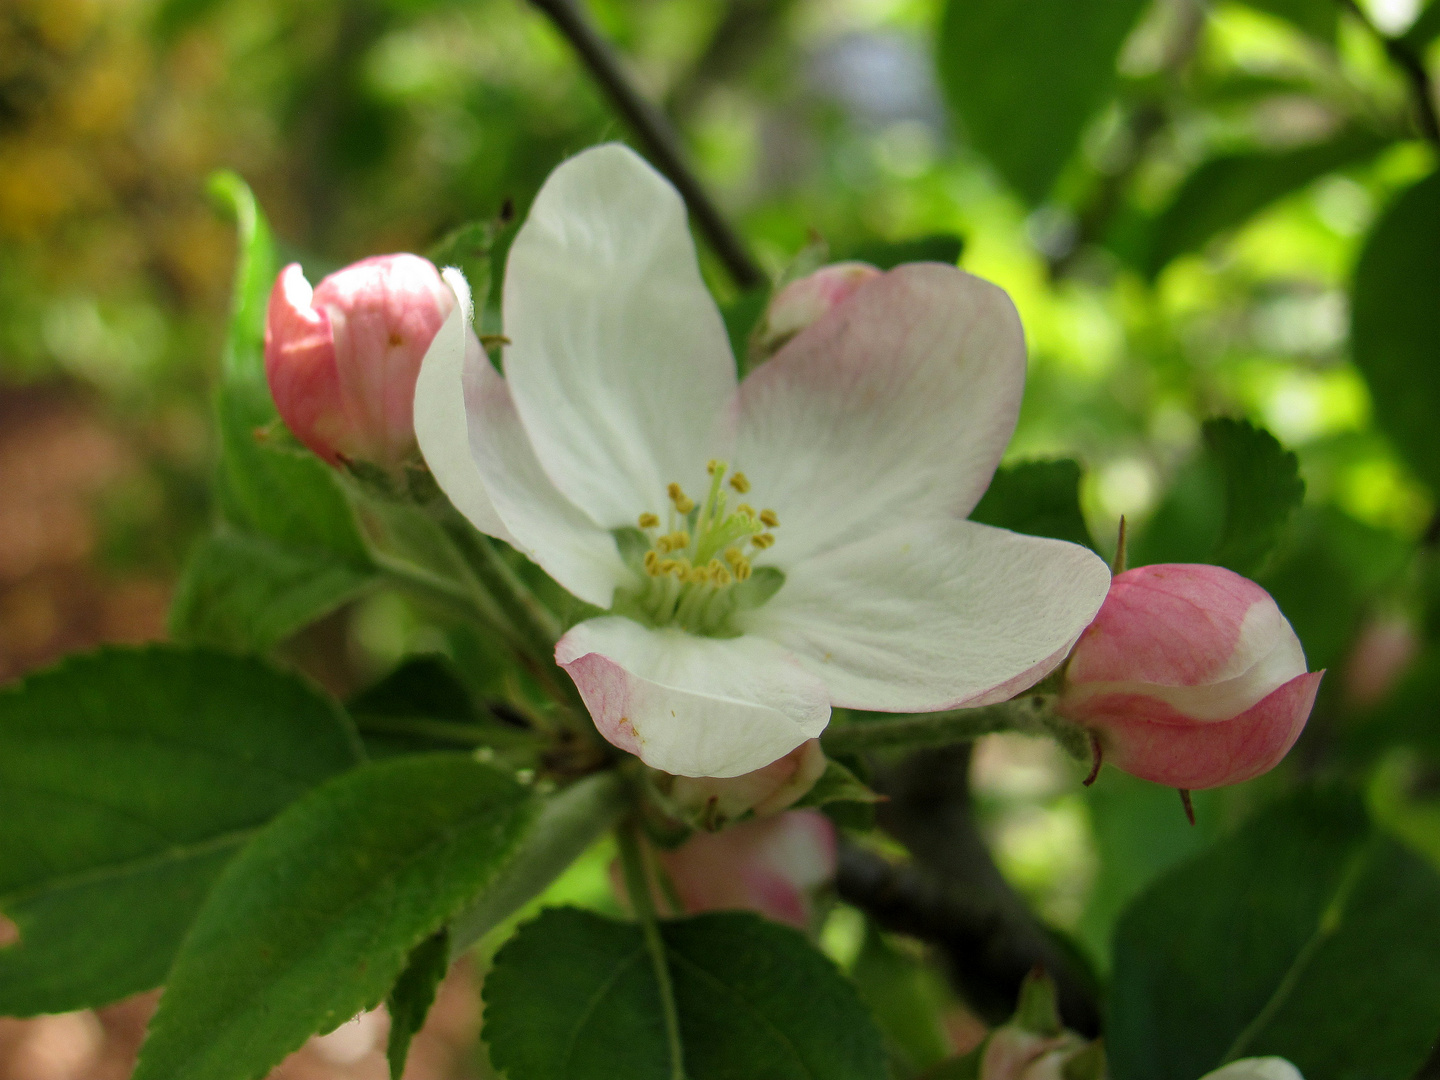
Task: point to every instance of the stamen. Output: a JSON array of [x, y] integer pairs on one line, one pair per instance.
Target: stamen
[[733, 556], [742, 570], [769, 517], [652, 563], [740, 482], [715, 465], [683, 503], [649, 521], [763, 540], [747, 510]]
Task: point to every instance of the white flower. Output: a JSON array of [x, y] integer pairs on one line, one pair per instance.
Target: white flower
[[1261, 1068], [619, 453]]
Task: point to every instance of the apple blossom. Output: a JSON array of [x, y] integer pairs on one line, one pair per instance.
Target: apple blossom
[[771, 866], [1256, 1068], [805, 299], [1190, 676], [342, 359], [762, 550], [714, 801]]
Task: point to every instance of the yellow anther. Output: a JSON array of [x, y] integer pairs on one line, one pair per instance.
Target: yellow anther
[[715, 466], [769, 518], [733, 556], [672, 566], [747, 510], [652, 563], [721, 577], [763, 540], [649, 521], [697, 575], [739, 482], [678, 540], [683, 502], [742, 570]]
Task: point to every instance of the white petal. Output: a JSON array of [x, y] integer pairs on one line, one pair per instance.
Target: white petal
[[936, 614], [1260, 1068], [689, 705], [441, 426], [560, 537], [896, 405], [619, 362]]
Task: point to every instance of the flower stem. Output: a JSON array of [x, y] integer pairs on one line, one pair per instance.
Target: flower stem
[[655, 133], [637, 885], [1032, 715]]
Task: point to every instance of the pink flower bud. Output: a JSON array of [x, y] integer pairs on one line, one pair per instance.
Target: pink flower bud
[[1012, 1053], [711, 802], [805, 299], [770, 866], [1189, 676], [342, 360]]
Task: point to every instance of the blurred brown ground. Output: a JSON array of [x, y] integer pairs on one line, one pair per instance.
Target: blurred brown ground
[[58, 454]]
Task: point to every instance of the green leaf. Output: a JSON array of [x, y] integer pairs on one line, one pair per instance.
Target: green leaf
[[838, 783], [1225, 192], [1039, 498], [572, 996], [1230, 506], [317, 918], [887, 254], [1318, 18], [1424, 29], [246, 592], [1306, 935], [901, 994], [243, 359], [1395, 324], [1024, 78], [129, 779], [414, 992]]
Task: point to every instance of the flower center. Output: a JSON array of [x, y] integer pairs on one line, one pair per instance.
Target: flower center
[[697, 571]]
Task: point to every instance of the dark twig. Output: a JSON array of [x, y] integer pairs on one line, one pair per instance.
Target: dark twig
[[655, 133], [954, 897], [1410, 62]]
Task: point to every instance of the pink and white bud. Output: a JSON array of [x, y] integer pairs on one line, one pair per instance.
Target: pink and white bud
[[772, 866], [711, 802], [805, 299], [1189, 676], [1383, 650], [1012, 1053], [342, 359]]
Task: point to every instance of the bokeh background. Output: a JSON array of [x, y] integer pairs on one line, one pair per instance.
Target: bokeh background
[[369, 126]]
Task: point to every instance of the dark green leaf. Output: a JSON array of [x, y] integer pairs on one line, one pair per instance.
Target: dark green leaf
[[413, 994], [318, 916], [1226, 191], [572, 996], [1395, 324], [1424, 29], [245, 592], [741, 316], [129, 778], [1040, 498], [1024, 78], [1230, 506], [1305, 935], [900, 993], [1318, 18], [470, 248]]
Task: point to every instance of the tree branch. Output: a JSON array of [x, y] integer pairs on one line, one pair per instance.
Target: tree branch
[[656, 135]]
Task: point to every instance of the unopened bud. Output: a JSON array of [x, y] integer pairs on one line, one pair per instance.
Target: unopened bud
[[712, 802], [1189, 676], [804, 300], [342, 359]]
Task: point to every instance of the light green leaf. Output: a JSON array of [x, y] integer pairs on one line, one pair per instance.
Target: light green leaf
[[1305, 935], [129, 778], [838, 783], [318, 916], [1039, 498], [1225, 192], [1024, 78], [572, 996], [1395, 324]]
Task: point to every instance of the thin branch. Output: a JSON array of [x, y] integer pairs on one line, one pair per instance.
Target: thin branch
[[1410, 62], [656, 135], [637, 885], [1031, 714]]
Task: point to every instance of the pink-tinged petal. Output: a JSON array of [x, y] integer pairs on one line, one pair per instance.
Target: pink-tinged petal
[[804, 300], [1148, 739], [442, 426], [556, 534], [934, 614], [693, 706], [1178, 624], [1256, 1068], [712, 801], [618, 360], [300, 366], [893, 406], [770, 866]]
